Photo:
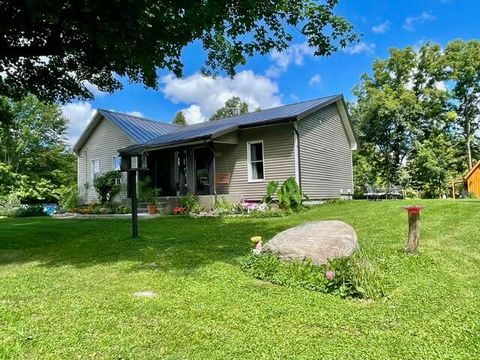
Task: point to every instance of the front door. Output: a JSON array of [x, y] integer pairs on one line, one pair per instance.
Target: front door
[[202, 161]]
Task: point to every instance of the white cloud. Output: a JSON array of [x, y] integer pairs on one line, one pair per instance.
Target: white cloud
[[135, 113], [410, 22], [315, 80], [382, 28], [79, 115], [292, 55], [205, 95], [94, 89], [359, 48]]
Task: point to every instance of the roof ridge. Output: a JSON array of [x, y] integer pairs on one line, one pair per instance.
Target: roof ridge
[[139, 117]]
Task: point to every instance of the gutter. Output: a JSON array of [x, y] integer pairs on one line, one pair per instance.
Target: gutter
[[297, 135]]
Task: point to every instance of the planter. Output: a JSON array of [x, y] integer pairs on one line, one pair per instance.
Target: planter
[[152, 209]]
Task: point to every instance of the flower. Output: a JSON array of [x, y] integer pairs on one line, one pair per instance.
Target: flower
[[329, 275], [256, 239]]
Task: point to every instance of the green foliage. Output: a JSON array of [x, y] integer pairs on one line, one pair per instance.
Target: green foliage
[[143, 37], [34, 156], [29, 211], [106, 185], [271, 190], [69, 198], [179, 119], [9, 204], [289, 195], [233, 107], [416, 115], [191, 203], [352, 277]]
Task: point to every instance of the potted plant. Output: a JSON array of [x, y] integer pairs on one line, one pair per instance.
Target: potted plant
[[152, 206]]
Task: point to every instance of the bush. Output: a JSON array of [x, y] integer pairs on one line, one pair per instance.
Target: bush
[[9, 205], [349, 277], [289, 195], [29, 211], [191, 204], [68, 198], [107, 186]]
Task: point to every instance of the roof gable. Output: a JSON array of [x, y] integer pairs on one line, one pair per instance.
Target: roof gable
[[472, 170], [138, 129]]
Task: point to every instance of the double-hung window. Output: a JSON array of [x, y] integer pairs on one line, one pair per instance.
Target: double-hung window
[[95, 168], [255, 160]]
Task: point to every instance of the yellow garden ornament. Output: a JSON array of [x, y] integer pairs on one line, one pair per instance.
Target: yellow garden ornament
[[256, 239]]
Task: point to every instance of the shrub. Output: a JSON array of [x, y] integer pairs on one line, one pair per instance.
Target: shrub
[[349, 277], [68, 198], [190, 203], [9, 205], [29, 211], [107, 186], [289, 195]]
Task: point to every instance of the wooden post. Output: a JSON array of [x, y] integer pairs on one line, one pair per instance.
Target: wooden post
[[132, 181], [413, 232]]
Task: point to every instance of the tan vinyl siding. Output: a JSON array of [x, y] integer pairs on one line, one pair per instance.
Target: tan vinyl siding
[[279, 163], [102, 144], [325, 155]]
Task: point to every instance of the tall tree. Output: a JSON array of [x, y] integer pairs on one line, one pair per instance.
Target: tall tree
[[179, 119], [33, 142], [54, 49], [233, 107], [462, 68], [402, 104]]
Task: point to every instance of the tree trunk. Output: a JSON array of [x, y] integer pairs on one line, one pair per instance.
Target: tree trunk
[[468, 135]]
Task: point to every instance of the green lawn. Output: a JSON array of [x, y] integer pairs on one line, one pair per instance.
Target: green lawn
[[66, 289]]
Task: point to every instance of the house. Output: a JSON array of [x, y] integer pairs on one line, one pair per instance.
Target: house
[[473, 180], [235, 157]]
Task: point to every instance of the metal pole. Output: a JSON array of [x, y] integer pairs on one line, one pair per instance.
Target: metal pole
[[132, 181]]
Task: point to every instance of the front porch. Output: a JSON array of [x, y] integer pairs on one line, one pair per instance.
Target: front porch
[[175, 172]]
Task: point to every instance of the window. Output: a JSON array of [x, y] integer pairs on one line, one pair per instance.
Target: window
[[95, 168], [256, 171], [116, 162]]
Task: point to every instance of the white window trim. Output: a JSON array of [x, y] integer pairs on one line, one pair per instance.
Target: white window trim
[[249, 161], [92, 170], [113, 161]]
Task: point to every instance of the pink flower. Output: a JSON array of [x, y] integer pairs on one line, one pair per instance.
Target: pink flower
[[330, 275]]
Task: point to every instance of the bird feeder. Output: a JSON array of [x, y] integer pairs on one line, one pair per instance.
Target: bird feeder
[[413, 228]]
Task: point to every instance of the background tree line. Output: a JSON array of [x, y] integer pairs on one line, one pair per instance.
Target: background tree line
[[416, 117]]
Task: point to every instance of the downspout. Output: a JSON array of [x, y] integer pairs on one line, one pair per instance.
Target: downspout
[[297, 160]]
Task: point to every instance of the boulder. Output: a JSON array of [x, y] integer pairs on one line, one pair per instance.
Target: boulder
[[317, 241]]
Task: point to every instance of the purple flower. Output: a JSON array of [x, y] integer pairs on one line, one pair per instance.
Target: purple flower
[[329, 275]]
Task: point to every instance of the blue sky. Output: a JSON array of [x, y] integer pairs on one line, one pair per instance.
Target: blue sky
[[294, 75]]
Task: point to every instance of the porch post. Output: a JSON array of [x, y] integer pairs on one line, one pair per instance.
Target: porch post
[[213, 170]]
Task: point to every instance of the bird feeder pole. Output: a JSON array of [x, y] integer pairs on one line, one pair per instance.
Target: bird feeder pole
[[413, 228]]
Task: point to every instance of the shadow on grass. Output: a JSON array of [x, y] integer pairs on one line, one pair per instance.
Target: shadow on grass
[[173, 243]]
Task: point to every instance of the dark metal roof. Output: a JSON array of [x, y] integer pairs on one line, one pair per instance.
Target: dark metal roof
[[139, 129], [212, 129]]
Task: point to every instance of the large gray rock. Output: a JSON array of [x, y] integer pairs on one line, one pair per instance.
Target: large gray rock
[[317, 241]]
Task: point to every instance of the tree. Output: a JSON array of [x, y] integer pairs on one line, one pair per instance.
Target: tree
[[403, 118], [233, 107], [462, 68], [57, 49], [179, 119], [34, 155]]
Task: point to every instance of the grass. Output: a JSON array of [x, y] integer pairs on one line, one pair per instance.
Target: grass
[[66, 289]]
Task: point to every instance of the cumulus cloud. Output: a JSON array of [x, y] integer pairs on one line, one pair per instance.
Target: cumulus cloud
[[411, 22], [205, 95], [382, 28], [360, 48], [315, 80], [295, 54], [79, 115]]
